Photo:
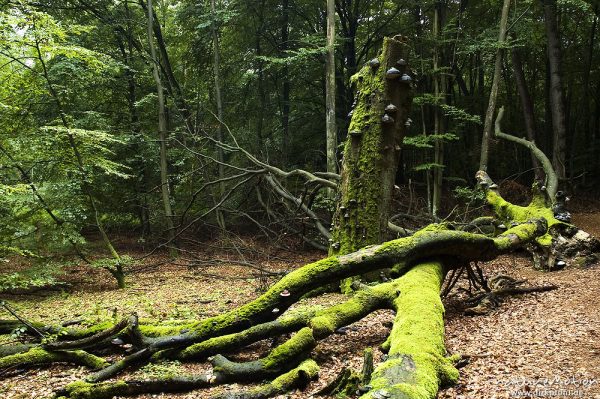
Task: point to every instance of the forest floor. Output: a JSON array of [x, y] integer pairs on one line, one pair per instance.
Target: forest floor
[[534, 345]]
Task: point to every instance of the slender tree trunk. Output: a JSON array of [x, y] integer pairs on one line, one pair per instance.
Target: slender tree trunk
[[527, 106], [557, 99], [285, 91], [587, 114], [171, 83], [261, 75], [439, 93], [140, 165], [219, 101], [330, 92], [347, 12], [162, 134], [489, 115]]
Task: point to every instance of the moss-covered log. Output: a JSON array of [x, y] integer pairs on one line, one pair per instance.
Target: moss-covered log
[[107, 390], [291, 321], [295, 378], [416, 365], [298, 377], [212, 334], [38, 356], [247, 323]]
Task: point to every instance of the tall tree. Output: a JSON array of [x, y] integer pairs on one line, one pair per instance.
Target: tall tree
[[330, 92], [439, 91], [162, 132], [372, 149], [219, 101], [285, 85], [527, 107], [489, 114], [556, 92]]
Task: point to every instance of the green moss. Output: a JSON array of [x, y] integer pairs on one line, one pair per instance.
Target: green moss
[[362, 303], [323, 326], [32, 356], [290, 321], [417, 365], [94, 328], [163, 330], [302, 342], [38, 355], [295, 282], [361, 217], [85, 390], [87, 359], [307, 369], [537, 209]]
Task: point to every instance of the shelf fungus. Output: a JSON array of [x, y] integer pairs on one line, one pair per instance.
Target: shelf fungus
[[391, 109], [374, 63], [393, 73], [387, 120]]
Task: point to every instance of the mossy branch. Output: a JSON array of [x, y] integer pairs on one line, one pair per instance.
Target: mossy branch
[[38, 356], [295, 378]]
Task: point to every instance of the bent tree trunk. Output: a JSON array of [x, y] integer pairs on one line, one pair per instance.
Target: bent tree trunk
[[417, 364]]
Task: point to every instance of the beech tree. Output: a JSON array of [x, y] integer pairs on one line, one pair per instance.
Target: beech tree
[[417, 364]]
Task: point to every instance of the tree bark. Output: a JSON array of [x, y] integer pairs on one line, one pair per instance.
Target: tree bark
[[372, 149], [489, 115], [162, 133], [330, 91], [219, 101], [286, 89], [557, 98], [527, 106], [439, 91]]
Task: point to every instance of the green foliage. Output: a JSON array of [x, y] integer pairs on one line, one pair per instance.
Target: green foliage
[[86, 67], [428, 166], [39, 275], [467, 194], [459, 114], [18, 332], [428, 141], [324, 202]]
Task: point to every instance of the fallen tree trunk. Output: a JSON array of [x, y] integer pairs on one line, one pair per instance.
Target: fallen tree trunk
[[416, 339], [416, 365]]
